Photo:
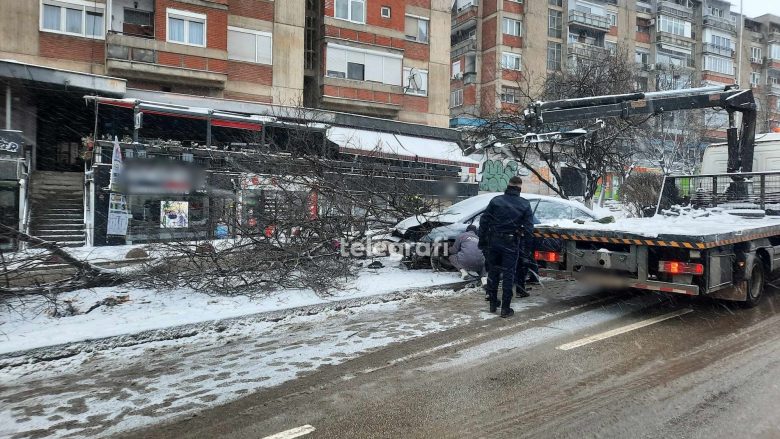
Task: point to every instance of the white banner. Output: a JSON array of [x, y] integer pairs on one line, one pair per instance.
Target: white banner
[[118, 217]]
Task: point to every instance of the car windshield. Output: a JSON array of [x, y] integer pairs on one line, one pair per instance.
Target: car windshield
[[468, 206]]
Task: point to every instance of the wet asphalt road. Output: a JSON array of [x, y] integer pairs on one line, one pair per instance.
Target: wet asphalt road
[[693, 368]]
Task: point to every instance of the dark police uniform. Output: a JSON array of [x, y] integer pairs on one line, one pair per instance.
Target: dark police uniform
[[526, 261], [507, 219]]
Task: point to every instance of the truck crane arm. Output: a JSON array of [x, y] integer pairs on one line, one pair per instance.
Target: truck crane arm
[[730, 97]]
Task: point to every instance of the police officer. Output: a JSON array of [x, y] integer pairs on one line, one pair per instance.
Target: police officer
[[502, 228]]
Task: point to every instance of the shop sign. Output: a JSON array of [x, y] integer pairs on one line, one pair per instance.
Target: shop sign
[[140, 177], [11, 143]]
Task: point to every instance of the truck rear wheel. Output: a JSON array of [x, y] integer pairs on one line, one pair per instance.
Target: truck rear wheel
[[755, 284]]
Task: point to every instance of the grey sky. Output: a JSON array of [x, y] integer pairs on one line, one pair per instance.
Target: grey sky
[[755, 8]]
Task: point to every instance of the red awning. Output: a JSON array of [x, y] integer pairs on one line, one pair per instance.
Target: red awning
[[236, 124]]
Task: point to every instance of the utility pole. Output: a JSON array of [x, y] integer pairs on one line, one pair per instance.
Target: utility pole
[[740, 44]]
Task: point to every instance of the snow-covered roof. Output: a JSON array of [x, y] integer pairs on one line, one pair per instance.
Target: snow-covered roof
[[760, 138], [365, 142]]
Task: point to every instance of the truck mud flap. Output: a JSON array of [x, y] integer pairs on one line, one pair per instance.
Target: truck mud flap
[[737, 292]]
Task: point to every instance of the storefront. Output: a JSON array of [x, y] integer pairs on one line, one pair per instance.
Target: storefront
[[193, 173]]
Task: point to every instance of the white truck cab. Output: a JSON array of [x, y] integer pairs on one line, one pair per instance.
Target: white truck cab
[[766, 156]]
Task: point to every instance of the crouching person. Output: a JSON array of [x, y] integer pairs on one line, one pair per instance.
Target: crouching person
[[466, 255]]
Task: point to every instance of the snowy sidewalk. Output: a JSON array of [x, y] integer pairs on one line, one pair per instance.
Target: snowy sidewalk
[[27, 325]]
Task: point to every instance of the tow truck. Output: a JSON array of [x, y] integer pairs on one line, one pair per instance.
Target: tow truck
[[714, 235]]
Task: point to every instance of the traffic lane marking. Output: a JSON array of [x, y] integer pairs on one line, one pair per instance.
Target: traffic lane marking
[[622, 330], [292, 433]]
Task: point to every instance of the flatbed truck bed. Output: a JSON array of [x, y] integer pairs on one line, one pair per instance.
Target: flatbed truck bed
[[718, 254]]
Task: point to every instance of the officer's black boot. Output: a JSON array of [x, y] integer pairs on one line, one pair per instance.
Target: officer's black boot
[[494, 305], [520, 291], [507, 312]]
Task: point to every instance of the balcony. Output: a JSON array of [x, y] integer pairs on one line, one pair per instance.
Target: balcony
[[589, 51], [773, 37], [674, 10], [644, 8], [590, 21], [139, 57], [718, 50], [773, 89], [719, 23], [463, 47], [676, 64], [677, 40]]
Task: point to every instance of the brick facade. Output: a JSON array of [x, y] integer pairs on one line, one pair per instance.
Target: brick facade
[[489, 33], [249, 72], [71, 48], [257, 9]]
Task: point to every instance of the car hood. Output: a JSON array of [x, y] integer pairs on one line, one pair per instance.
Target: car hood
[[414, 221]]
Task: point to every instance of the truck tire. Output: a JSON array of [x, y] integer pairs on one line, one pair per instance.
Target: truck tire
[[756, 281]]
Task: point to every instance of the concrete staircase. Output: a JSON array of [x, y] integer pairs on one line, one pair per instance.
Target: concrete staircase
[[57, 207]]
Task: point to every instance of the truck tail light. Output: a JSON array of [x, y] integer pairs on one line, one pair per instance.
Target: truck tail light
[[548, 256], [674, 267]]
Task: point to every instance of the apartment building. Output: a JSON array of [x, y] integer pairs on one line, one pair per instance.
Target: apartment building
[[386, 58], [204, 75], [676, 44], [375, 57], [761, 66]]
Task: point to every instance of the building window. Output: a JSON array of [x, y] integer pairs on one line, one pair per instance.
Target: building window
[[456, 98], [554, 23], [717, 12], [720, 42], [416, 29], [363, 65], [352, 10], [513, 27], [755, 54], [456, 70], [249, 45], [612, 18], [553, 56], [510, 61], [73, 18], [755, 78], [774, 51], [719, 64], [510, 95], [611, 46], [674, 26], [385, 11], [558, 3], [642, 57], [415, 81], [186, 27]]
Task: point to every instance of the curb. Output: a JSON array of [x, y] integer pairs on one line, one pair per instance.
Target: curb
[[56, 352]]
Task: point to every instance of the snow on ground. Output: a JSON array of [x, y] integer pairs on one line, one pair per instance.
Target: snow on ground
[[97, 394], [714, 224], [27, 324]]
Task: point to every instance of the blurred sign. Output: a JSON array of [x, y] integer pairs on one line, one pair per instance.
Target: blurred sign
[[145, 177]]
